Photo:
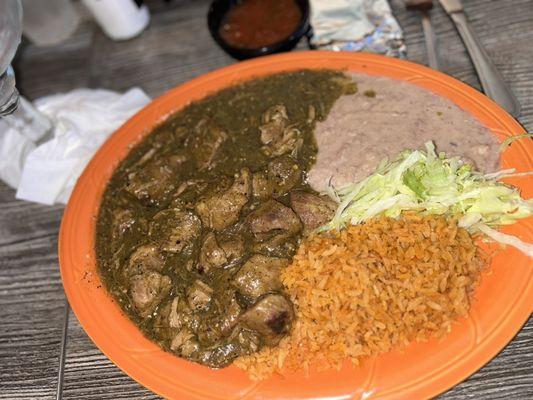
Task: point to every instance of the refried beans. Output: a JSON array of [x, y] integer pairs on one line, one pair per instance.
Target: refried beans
[[361, 130]]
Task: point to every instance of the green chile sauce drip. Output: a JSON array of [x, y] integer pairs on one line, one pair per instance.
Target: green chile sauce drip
[[308, 97]]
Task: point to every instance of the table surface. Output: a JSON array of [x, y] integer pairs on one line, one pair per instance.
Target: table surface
[[175, 48]]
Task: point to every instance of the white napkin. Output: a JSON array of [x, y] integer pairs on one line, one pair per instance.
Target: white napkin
[[81, 121], [14, 148]]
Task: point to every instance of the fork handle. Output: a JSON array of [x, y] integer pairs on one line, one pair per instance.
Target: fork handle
[[431, 41], [489, 76]]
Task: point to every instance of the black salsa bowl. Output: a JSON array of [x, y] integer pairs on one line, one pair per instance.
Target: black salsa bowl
[[217, 12]]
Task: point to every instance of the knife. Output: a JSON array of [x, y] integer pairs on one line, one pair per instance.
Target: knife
[[491, 80]]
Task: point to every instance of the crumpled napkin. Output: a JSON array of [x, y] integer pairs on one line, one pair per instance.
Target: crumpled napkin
[[356, 25], [45, 170]]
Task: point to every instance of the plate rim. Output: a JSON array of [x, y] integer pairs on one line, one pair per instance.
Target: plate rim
[[233, 74]]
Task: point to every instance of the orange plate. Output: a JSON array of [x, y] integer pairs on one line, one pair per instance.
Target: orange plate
[[503, 303]]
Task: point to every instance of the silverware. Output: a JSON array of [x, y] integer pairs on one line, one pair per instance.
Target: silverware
[[429, 34], [491, 80]]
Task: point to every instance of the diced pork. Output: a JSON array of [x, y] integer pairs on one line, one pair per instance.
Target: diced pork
[[221, 210], [259, 275], [277, 135], [175, 229], [147, 289], [272, 215], [145, 258], [199, 295], [154, 183], [312, 209], [284, 173], [271, 316]]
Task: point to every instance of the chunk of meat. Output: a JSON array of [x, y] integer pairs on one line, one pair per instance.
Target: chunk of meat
[[220, 320], [219, 356], [272, 215], [145, 258], [234, 248], [312, 209], [224, 352], [189, 348], [230, 317], [274, 121], [211, 254], [271, 316], [290, 142], [279, 245], [187, 193], [215, 255], [175, 229], [221, 210], [249, 341], [125, 222], [205, 143], [184, 343], [277, 135], [172, 316], [284, 173], [259, 275], [261, 187], [180, 314], [154, 183], [199, 295], [161, 324], [147, 290]]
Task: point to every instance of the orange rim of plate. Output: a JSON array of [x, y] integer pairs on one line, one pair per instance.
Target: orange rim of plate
[[503, 302]]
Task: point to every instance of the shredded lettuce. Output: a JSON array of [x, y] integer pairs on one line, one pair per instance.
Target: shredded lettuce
[[430, 183], [504, 238], [507, 142]]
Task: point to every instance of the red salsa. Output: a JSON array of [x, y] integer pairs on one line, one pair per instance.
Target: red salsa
[[256, 23]]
